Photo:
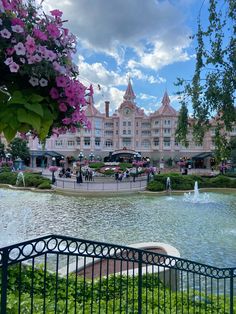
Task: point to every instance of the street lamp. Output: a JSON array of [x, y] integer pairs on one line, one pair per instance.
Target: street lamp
[[137, 157], [79, 178], [53, 169], [91, 156]]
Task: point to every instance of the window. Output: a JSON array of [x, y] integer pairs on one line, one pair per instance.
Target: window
[[126, 142], [129, 131], [124, 131], [129, 123], [108, 132], [58, 143], [166, 122], [71, 143], [156, 122], [98, 123], [136, 132], [78, 141], [166, 141], [156, 131], [176, 142], [117, 124], [117, 132], [213, 131], [156, 141], [87, 141], [97, 132], [166, 131], [124, 123], [97, 141], [136, 123], [108, 143], [108, 125], [146, 144], [146, 125], [87, 131], [146, 133]]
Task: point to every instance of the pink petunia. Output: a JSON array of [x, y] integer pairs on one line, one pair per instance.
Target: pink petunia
[[54, 93], [20, 49], [53, 30], [30, 45], [56, 13], [10, 51], [62, 107], [66, 121], [17, 29], [40, 35], [14, 67], [61, 81], [5, 33], [8, 61], [17, 21]]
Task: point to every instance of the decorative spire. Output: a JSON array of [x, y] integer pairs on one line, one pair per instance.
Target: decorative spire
[[129, 94], [165, 100]]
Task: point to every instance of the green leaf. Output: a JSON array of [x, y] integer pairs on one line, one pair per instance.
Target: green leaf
[[9, 133], [35, 107], [45, 129], [30, 118], [17, 98], [35, 98]]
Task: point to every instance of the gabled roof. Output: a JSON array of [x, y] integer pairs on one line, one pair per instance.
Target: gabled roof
[[166, 109]]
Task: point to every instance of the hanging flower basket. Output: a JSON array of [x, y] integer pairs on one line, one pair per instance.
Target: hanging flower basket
[[39, 89]]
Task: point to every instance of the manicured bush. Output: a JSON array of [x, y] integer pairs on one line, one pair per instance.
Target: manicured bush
[[156, 186], [96, 165], [8, 177], [220, 182], [44, 185]]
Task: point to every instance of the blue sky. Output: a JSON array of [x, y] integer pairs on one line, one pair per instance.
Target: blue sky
[[146, 40]]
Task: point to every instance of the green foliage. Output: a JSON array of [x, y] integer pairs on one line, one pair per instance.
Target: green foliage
[[96, 165], [182, 126], [212, 88], [115, 294], [2, 149], [18, 148], [124, 165], [186, 182], [8, 177], [31, 180]]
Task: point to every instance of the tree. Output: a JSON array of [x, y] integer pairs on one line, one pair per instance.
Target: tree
[[2, 150], [39, 89], [233, 149], [212, 88], [18, 149]]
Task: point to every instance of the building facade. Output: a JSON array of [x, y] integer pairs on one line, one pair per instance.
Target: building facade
[[128, 129]]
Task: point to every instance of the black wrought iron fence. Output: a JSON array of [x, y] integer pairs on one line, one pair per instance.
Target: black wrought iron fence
[[57, 274]]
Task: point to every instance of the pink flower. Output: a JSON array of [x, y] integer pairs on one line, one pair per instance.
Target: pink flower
[[10, 51], [14, 67], [20, 49], [66, 121], [17, 29], [17, 21], [30, 45], [62, 107], [56, 13], [37, 58], [40, 35], [54, 93], [53, 30], [61, 81], [8, 61], [5, 33]]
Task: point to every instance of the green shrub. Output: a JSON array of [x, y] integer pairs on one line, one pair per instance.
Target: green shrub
[[155, 186], [44, 185], [124, 165], [221, 182], [96, 165], [8, 177]]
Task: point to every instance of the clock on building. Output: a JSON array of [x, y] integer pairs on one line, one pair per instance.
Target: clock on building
[[127, 111]]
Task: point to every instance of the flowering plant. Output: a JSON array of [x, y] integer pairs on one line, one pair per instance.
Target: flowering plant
[[53, 168], [39, 89]]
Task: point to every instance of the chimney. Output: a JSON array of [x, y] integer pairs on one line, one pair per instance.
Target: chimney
[[107, 103]]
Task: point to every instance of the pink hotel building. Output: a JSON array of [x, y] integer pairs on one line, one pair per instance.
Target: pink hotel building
[[127, 130]]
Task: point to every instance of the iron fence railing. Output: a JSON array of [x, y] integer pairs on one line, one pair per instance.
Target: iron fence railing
[[58, 274]]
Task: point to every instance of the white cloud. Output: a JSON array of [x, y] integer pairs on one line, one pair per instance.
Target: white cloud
[[154, 29]]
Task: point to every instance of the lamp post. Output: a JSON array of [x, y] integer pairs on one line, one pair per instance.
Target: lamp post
[[137, 156], [148, 171], [80, 178], [91, 156], [53, 169]]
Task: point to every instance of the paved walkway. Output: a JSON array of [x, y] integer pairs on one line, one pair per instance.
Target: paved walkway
[[100, 184]]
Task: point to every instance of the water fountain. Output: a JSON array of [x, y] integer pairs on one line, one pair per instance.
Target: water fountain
[[20, 179], [196, 197], [168, 185]]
